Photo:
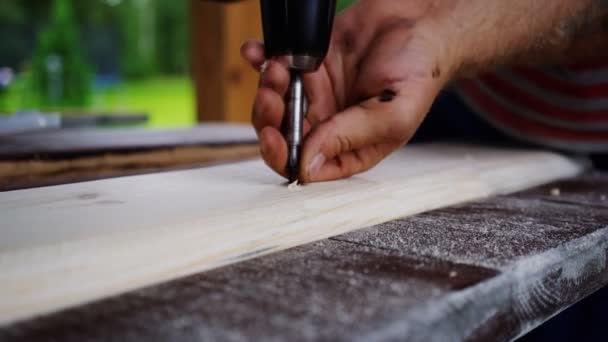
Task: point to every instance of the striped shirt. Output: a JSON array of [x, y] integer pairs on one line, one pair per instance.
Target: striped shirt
[[559, 107]]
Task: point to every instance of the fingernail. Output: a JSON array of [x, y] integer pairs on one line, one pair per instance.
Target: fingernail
[[262, 79], [315, 165], [264, 66]]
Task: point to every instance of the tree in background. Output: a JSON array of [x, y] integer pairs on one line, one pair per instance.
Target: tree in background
[[138, 22], [155, 37], [60, 75], [172, 43], [134, 38], [13, 26]]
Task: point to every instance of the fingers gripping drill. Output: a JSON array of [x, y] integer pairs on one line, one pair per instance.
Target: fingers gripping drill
[[297, 32]]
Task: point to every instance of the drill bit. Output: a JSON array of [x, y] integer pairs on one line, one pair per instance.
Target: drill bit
[[293, 123], [298, 33]]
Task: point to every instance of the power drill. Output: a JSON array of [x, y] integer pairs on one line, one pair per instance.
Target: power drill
[[298, 31]]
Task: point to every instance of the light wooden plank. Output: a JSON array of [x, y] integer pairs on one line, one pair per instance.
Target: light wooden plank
[[67, 245], [367, 284]]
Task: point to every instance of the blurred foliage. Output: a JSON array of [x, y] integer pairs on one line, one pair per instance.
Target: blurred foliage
[[60, 74], [138, 38], [343, 4], [12, 99], [131, 44], [155, 37], [10, 11], [13, 28], [172, 36]]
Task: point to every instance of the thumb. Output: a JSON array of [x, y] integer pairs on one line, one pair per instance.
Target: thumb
[[357, 139], [253, 52]]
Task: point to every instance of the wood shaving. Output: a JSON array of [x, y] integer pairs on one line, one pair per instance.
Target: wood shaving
[[555, 192], [295, 186]]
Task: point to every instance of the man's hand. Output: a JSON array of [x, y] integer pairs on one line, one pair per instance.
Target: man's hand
[[382, 72], [388, 60]]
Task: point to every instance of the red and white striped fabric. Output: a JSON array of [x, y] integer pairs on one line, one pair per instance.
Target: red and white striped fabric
[[561, 107]]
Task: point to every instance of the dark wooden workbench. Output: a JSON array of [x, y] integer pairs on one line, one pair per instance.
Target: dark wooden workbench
[[73, 155], [491, 269]]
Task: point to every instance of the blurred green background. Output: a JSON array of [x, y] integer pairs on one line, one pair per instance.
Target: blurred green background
[[98, 56], [342, 4]]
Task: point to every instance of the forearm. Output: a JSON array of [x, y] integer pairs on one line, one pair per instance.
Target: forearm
[[487, 33]]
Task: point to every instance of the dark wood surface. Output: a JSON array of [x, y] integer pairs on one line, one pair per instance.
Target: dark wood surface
[[74, 143], [74, 155], [486, 270]]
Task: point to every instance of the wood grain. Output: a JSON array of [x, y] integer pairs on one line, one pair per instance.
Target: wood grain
[[363, 284], [72, 244]]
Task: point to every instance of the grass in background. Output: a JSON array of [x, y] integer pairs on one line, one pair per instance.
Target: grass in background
[[11, 99], [169, 102]]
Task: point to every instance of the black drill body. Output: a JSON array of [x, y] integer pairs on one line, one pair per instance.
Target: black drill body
[[298, 28], [298, 32]]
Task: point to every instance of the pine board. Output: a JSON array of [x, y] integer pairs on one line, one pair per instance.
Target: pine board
[[381, 281], [69, 245]]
